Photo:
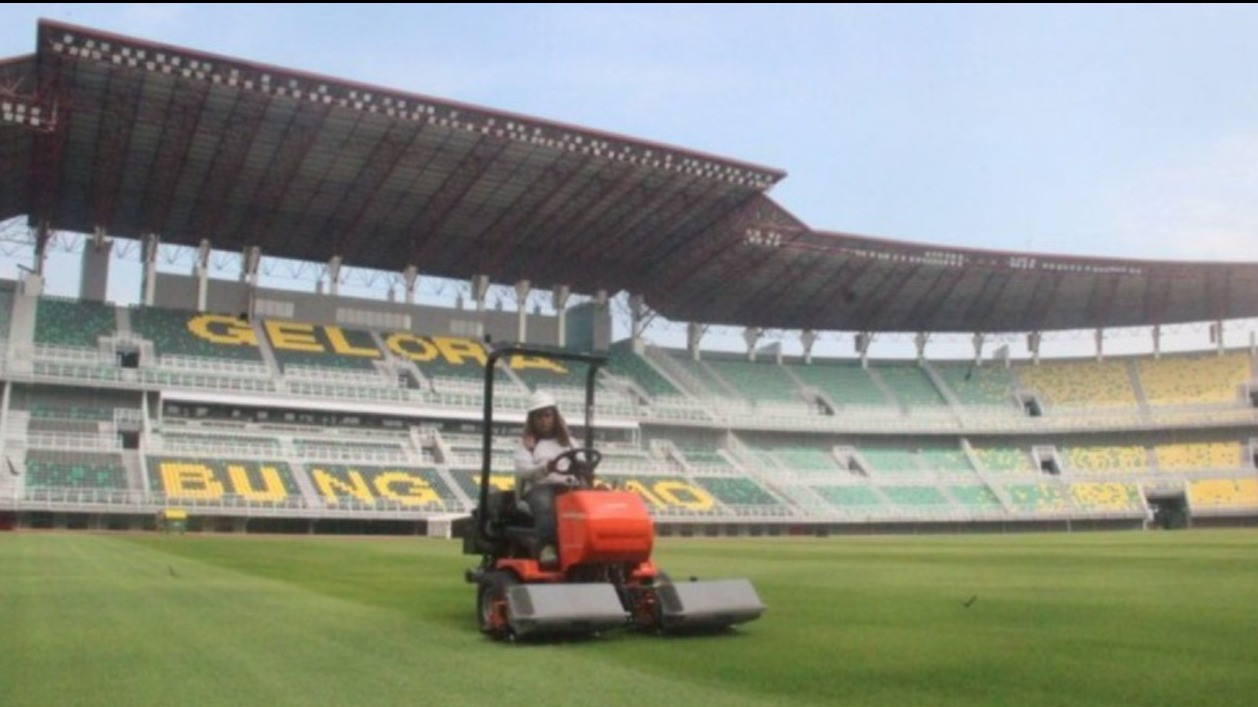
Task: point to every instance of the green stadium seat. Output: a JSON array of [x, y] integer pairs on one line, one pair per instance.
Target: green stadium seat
[[94, 471], [6, 309], [975, 497], [989, 385], [850, 497], [890, 459], [911, 386], [912, 496], [73, 323], [845, 384], [758, 381], [736, 491], [195, 334], [624, 362]]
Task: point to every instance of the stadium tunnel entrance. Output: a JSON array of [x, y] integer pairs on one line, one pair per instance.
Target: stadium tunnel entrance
[[1169, 510]]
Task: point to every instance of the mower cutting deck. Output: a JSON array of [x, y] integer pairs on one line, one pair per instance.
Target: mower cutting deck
[[603, 577]]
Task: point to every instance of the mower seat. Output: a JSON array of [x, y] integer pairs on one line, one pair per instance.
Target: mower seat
[[513, 519], [506, 509]]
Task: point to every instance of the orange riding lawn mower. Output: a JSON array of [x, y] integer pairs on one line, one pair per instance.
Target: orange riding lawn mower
[[600, 576]]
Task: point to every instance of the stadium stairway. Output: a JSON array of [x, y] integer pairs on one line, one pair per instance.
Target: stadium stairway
[[517, 384], [881, 384], [1137, 385], [133, 465], [676, 373], [456, 488], [882, 494], [740, 453], [272, 363], [422, 382], [309, 494], [21, 333], [13, 475], [413, 448], [810, 391], [643, 359], [942, 386], [979, 470], [122, 322], [674, 456], [15, 446], [798, 498], [13, 450], [445, 452], [671, 459], [728, 389], [802, 499]]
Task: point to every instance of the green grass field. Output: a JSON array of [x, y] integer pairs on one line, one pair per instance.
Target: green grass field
[[1122, 619]]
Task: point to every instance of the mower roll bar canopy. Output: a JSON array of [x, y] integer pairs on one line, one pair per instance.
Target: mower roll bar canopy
[[491, 367]]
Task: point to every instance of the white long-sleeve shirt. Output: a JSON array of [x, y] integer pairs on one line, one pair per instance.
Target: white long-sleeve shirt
[[530, 466]]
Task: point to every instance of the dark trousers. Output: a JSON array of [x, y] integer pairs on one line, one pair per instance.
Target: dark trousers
[[541, 500]]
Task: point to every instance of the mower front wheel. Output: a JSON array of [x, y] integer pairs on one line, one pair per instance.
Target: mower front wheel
[[491, 604]]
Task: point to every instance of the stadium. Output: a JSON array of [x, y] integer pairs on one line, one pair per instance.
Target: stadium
[[254, 409]]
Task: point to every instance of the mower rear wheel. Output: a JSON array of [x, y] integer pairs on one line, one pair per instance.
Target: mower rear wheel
[[491, 604]]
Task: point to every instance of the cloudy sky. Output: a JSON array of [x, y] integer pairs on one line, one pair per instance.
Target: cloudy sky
[[1126, 131]]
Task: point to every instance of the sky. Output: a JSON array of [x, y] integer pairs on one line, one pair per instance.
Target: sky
[[1123, 131]]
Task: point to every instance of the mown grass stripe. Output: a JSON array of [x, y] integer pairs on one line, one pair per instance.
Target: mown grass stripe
[[1119, 619]]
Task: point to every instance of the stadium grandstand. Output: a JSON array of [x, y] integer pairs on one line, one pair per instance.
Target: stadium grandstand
[[265, 409]]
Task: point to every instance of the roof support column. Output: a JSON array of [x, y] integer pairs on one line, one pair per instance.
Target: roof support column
[[480, 286], [1216, 332], [1033, 345], [637, 322], [410, 276], [202, 272], [522, 289], [559, 298], [694, 336], [1157, 341], [862, 341], [43, 234], [807, 338], [979, 339], [94, 274], [920, 341], [334, 275], [1100, 344], [33, 277], [751, 335], [249, 262], [148, 244]]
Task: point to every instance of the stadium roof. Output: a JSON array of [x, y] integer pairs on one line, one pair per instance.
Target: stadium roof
[[138, 138], [135, 137], [814, 280]]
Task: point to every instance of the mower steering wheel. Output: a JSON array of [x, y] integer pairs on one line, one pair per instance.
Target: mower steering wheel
[[581, 463]]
